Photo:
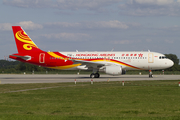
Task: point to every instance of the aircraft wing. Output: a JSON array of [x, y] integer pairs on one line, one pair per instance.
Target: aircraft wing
[[91, 64]]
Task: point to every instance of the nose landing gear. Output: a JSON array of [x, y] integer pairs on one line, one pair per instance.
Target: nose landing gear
[[150, 74]]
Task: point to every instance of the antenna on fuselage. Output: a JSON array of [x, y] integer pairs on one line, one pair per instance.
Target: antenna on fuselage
[[149, 51], [112, 49], [76, 50]]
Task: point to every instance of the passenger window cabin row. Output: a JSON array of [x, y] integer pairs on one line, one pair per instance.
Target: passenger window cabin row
[[98, 58]]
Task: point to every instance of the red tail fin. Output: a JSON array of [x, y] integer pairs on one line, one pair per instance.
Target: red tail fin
[[23, 41]]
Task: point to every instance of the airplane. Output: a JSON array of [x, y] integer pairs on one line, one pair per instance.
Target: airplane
[[112, 63]]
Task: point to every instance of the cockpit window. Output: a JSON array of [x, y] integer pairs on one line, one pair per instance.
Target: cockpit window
[[162, 57]]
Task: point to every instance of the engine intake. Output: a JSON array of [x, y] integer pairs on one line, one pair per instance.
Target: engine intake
[[114, 70]]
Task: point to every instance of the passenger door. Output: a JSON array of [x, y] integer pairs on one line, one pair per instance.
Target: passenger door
[[151, 58]]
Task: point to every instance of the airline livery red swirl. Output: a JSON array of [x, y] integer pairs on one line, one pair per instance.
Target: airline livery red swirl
[[23, 37]]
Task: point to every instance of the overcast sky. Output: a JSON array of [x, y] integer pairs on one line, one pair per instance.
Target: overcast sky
[[93, 25]]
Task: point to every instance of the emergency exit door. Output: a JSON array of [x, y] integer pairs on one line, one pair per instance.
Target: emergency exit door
[[42, 58], [150, 58]]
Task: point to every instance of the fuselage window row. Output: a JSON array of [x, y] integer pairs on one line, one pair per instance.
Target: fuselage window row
[[105, 58]]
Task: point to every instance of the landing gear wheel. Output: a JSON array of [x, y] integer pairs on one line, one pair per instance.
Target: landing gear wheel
[[95, 75], [150, 75], [92, 75]]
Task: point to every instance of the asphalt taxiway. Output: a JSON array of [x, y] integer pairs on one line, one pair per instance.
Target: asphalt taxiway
[[57, 78]]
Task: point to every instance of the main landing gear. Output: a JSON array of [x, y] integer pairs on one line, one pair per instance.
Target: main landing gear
[[95, 75], [150, 74]]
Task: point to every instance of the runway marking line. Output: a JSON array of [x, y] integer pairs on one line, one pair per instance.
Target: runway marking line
[[81, 85], [148, 85], [39, 88], [30, 89]]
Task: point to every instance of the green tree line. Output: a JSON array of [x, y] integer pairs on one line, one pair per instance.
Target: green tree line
[[16, 66]]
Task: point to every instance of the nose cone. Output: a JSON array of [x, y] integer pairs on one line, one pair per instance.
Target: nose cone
[[170, 63]]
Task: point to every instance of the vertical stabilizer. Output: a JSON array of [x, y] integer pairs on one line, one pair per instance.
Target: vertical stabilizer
[[23, 41]]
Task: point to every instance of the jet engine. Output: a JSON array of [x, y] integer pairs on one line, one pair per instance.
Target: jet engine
[[114, 70]]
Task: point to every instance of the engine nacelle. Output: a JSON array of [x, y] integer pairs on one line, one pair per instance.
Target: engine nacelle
[[114, 70]]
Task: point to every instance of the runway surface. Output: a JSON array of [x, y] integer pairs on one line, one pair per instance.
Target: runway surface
[[57, 78]]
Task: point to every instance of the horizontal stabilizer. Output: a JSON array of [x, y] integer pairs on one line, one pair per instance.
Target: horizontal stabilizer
[[22, 57]]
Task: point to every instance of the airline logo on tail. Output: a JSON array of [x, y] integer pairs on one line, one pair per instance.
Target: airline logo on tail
[[22, 36], [23, 41]]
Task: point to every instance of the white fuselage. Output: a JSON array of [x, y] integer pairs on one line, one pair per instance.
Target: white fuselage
[[128, 60]]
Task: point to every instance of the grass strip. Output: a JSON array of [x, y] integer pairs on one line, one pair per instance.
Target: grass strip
[[100, 101]]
